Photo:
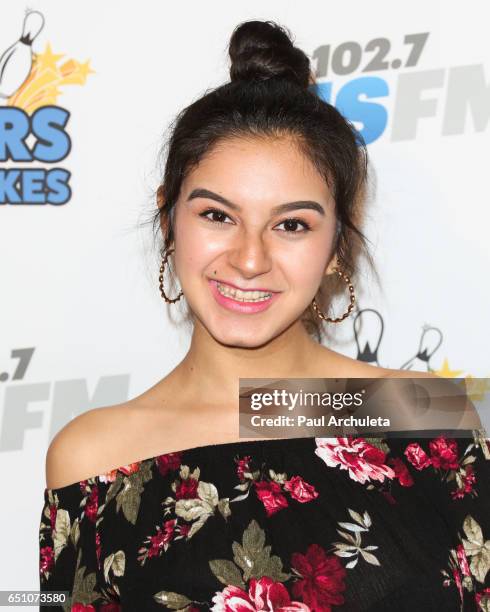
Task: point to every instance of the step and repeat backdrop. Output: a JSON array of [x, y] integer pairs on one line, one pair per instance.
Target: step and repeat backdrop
[[87, 91]]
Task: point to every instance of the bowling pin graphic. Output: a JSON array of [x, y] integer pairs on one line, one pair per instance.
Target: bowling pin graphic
[[368, 331], [16, 61], [430, 341]]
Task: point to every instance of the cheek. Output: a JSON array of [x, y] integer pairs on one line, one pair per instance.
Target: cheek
[[304, 265], [195, 250]]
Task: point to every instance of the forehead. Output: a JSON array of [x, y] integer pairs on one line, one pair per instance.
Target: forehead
[[259, 167]]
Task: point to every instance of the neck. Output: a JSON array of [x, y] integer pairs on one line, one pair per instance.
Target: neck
[[214, 369]]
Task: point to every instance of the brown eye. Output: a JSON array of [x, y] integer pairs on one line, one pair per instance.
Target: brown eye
[[291, 225], [215, 212]]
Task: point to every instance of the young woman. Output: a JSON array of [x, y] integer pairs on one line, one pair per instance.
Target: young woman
[[157, 503]]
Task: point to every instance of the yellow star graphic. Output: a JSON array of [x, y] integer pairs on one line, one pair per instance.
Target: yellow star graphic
[[48, 59], [85, 69], [41, 88], [477, 388], [446, 372]]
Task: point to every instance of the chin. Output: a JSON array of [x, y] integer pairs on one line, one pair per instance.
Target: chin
[[242, 339]]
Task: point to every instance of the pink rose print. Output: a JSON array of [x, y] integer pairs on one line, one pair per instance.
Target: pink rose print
[[401, 471], [92, 504], [444, 453], [270, 494], [243, 465], [183, 530], [84, 486], [482, 597], [169, 462], [445, 457], [263, 595], [162, 538], [463, 574], [52, 515], [158, 543], [468, 480], [269, 595], [47, 559], [322, 581], [463, 561], [127, 470], [300, 490], [364, 461], [109, 476], [187, 489], [457, 580], [270, 487], [417, 456]]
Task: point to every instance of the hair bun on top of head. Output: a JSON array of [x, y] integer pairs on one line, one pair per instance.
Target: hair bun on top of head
[[260, 50]]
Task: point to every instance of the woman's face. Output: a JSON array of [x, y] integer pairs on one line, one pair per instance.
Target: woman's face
[[254, 214]]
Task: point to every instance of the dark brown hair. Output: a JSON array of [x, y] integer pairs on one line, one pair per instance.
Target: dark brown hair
[[271, 94]]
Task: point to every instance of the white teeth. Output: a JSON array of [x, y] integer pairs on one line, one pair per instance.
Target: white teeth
[[243, 296]]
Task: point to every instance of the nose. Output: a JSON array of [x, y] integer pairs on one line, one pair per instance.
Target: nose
[[250, 255]]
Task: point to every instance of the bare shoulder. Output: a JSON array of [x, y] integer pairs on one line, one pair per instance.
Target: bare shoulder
[[394, 373], [348, 367], [87, 445], [351, 368], [470, 418], [362, 369]]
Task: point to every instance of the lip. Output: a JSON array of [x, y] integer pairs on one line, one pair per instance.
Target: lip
[[241, 307]]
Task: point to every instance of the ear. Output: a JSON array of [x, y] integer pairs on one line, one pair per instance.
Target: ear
[[333, 263], [160, 196], [164, 218]]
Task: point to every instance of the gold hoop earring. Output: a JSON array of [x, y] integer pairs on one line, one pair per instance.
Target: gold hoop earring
[[316, 308], [160, 278]]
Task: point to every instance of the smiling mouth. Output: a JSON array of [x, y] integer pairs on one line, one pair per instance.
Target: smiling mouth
[[243, 296]]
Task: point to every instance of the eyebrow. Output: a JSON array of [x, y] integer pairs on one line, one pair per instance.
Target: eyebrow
[[288, 206]]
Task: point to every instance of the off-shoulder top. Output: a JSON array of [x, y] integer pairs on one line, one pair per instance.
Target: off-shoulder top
[[319, 524]]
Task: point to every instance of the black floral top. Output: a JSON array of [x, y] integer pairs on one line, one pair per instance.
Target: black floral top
[[318, 524]]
